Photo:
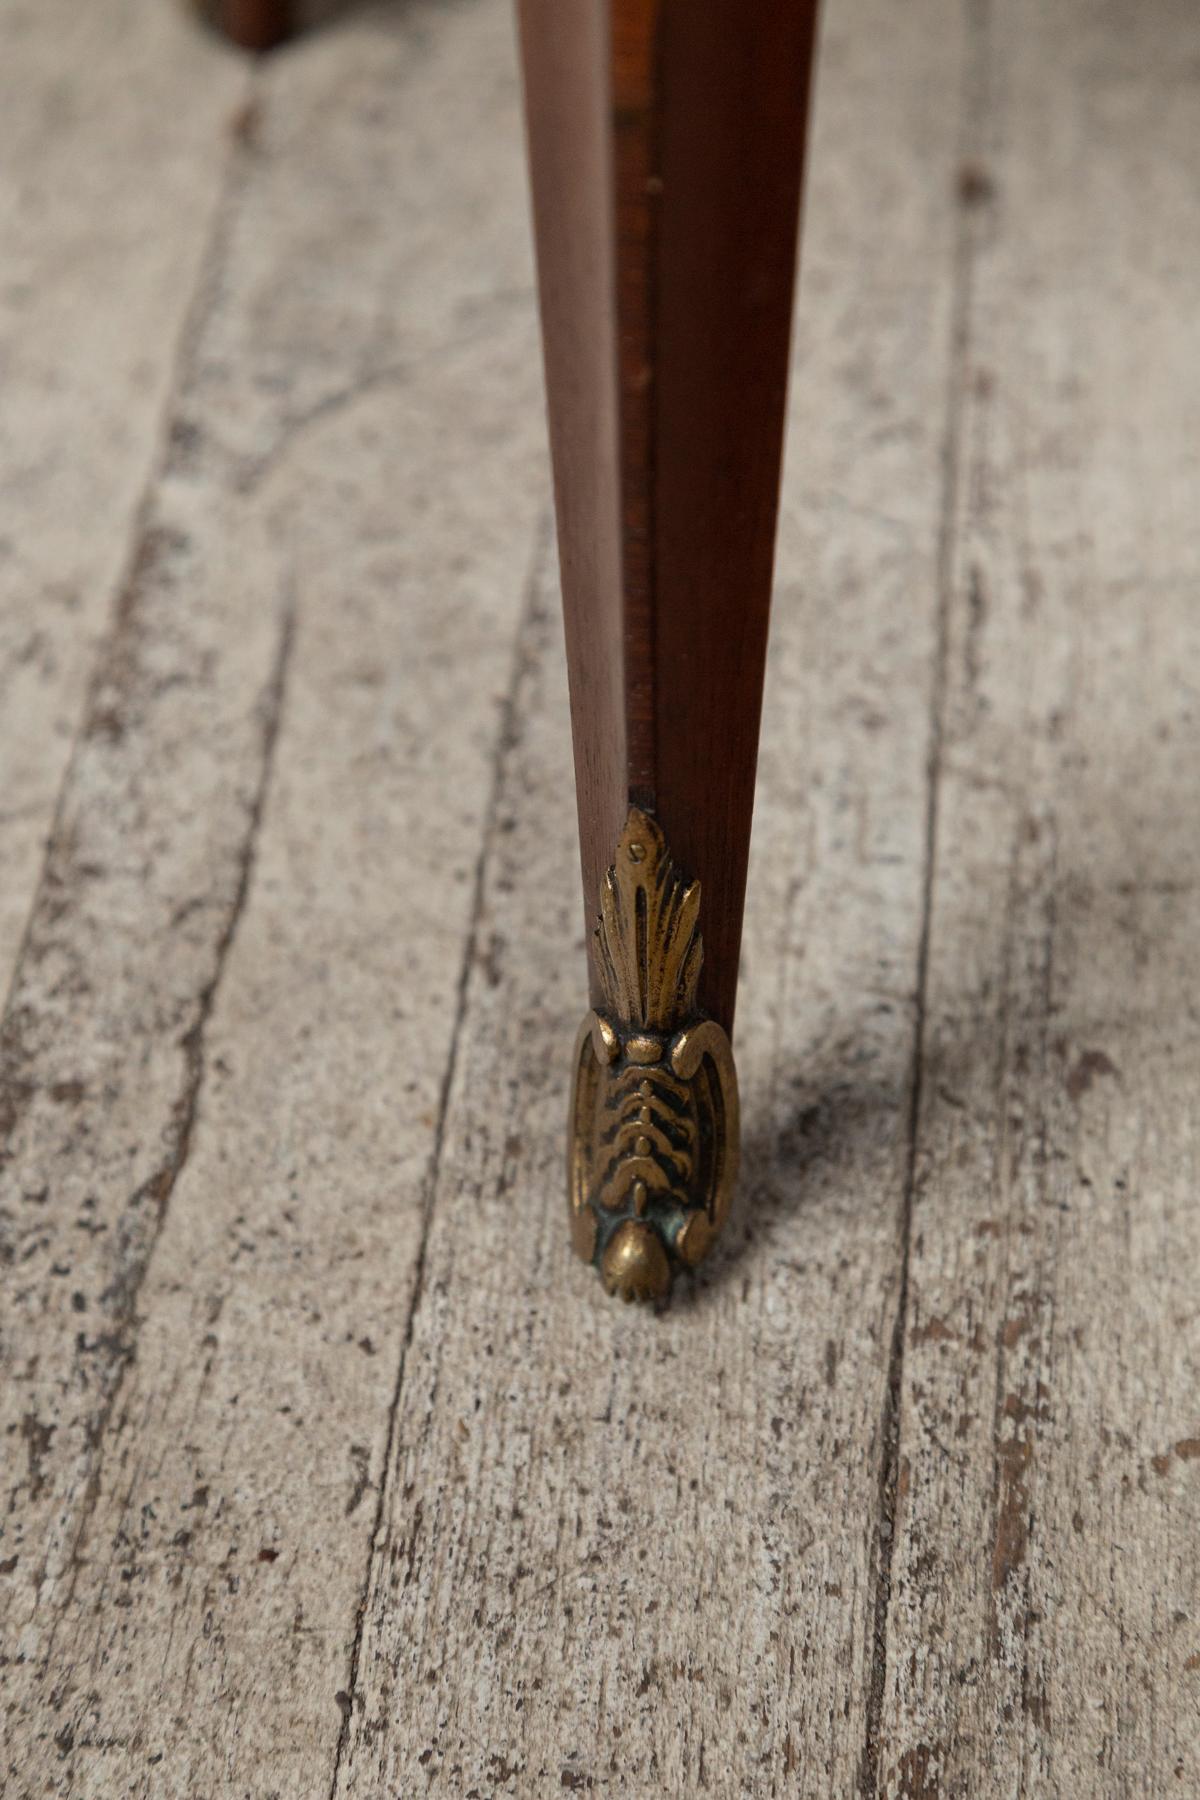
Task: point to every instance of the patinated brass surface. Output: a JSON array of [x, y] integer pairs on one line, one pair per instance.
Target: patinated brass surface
[[653, 1145]]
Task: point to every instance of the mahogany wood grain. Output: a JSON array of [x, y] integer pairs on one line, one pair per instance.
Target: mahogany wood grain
[[666, 147], [565, 55]]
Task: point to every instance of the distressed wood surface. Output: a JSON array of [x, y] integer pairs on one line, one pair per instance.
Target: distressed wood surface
[[229, 1031], [326, 1471], [105, 212], [1044, 1626]]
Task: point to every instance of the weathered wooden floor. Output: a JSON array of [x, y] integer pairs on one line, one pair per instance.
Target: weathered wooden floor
[[326, 1471]]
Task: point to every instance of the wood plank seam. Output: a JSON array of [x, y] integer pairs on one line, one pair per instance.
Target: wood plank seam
[[159, 1187], [142, 548], [973, 103], [115, 651], [505, 735], [394, 691], [194, 316]]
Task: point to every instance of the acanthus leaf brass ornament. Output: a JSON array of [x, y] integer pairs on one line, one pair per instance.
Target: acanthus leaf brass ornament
[[653, 1144]]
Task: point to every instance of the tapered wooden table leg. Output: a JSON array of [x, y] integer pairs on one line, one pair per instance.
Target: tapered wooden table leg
[[666, 143], [256, 24]]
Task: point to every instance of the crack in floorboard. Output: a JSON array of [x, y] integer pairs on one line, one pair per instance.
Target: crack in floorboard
[[196, 313], [122, 1294], [160, 1186], [965, 247], [505, 740]]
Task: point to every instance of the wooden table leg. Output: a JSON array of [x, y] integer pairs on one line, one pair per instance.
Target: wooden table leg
[[666, 143], [256, 24]]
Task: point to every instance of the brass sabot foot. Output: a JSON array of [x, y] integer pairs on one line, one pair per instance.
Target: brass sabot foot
[[653, 1133]]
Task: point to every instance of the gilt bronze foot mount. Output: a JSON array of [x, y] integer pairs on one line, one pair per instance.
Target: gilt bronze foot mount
[[653, 1145]]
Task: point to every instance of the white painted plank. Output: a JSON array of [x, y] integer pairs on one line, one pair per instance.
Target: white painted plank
[[232, 1018], [115, 122], [1043, 1635]]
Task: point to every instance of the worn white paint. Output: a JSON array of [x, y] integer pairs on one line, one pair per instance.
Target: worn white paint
[[327, 1470], [1044, 1630], [115, 132]]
